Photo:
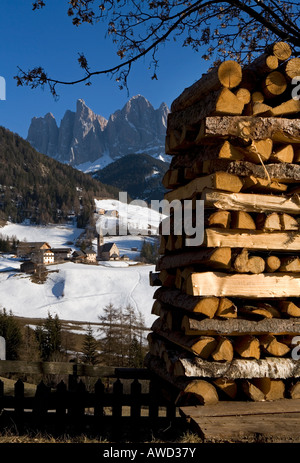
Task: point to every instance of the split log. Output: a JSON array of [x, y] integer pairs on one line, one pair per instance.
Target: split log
[[258, 109], [287, 108], [253, 392], [245, 264], [252, 239], [226, 309], [218, 180], [211, 257], [202, 346], [257, 97], [280, 130], [277, 368], [247, 346], [274, 84], [289, 308], [258, 150], [223, 350], [288, 222], [202, 390], [239, 326], [262, 285], [229, 387], [242, 220], [272, 346], [290, 264], [282, 172], [262, 185], [221, 102], [220, 219], [273, 389], [262, 310], [268, 222], [272, 264], [206, 306], [250, 202], [284, 154], [228, 74], [295, 391]]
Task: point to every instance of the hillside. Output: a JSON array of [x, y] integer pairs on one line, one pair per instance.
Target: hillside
[[36, 187], [138, 174]]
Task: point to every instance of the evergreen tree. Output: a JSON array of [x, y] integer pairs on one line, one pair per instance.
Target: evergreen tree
[[90, 347], [110, 341], [11, 332], [49, 337]]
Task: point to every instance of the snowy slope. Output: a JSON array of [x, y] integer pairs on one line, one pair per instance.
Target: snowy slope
[[76, 292]]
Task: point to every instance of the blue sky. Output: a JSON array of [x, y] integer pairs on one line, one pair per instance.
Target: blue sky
[[47, 37]]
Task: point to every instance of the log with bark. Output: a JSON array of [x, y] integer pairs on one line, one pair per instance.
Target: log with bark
[[239, 327], [280, 130], [206, 306], [211, 257], [228, 74], [251, 202], [221, 102], [276, 368], [202, 390]]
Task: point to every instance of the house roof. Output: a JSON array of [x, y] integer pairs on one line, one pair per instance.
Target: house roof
[[107, 247], [61, 249], [78, 253], [32, 244]]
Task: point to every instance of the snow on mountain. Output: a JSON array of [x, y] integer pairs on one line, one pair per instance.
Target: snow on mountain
[[84, 137]]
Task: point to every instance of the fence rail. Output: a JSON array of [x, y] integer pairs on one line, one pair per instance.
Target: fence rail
[[117, 401]]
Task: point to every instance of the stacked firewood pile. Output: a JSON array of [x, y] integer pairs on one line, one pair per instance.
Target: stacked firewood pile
[[229, 309]]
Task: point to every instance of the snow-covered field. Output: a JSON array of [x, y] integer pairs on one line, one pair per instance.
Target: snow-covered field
[[79, 292], [76, 292]]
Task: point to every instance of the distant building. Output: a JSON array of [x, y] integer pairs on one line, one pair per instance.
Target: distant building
[[61, 254], [26, 250], [109, 251], [78, 256], [48, 256], [28, 267], [90, 256]]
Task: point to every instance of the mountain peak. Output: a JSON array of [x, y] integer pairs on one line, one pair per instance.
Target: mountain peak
[[85, 137]]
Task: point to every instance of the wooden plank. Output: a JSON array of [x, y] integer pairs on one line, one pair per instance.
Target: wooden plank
[[266, 285], [281, 130], [280, 428], [250, 202], [252, 239], [234, 327], [269, 367], [243, 408]]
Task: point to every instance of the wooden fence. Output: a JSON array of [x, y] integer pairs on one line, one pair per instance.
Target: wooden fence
[[114, 403]]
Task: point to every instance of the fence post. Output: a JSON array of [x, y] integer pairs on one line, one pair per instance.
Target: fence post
[[99, 399], [61, 406], [19, 405], [41, 402], [117, 409], [135, 412], [1, 395]]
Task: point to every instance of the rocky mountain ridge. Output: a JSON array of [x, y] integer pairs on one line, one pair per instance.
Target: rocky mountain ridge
[[89, 142]]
